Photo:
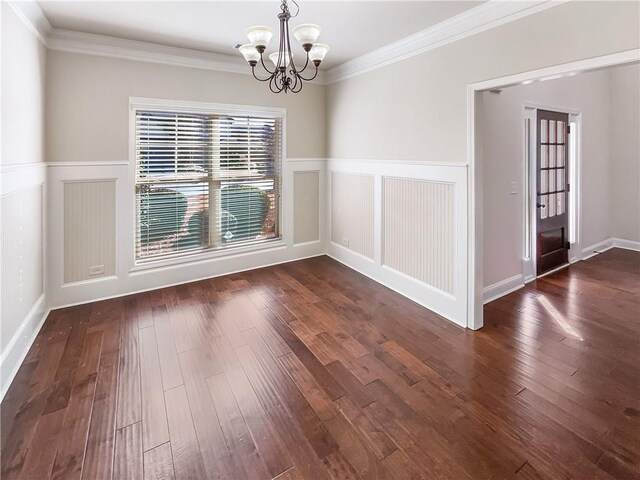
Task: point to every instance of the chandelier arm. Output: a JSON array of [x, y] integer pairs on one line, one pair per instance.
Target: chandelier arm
[[296, 80], [273, 84], [265, 67], [309, 79], [253, 71], [287, 40], [306, 63], [298, 85]]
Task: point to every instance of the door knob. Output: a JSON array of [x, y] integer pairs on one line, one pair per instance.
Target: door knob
[[540, 205]]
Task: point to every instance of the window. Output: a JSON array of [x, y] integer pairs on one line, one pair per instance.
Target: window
[[205, 181]]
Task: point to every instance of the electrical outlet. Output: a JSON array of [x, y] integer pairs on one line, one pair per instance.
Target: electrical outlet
[[345, 242], [96, 270]]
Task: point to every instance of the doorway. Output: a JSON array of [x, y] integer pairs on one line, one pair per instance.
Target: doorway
[[552, 212], [476, 268], [550, 187]]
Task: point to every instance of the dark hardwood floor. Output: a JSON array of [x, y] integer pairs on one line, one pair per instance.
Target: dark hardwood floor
[[310, 370]]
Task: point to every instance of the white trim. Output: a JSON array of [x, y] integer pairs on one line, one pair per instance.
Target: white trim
[[475, 184], [32, 16], [166, 285], [608, 244], [187, 106], [626, 244], [14, 178], [18, 347], [502, 288], [115, 47], [485, 16], [85, 163], [560, 71], [597, 248]]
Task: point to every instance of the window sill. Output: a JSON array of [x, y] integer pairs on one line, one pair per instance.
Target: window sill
[[207, 255]]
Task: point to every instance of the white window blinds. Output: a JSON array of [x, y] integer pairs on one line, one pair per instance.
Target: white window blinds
[[205, 181]]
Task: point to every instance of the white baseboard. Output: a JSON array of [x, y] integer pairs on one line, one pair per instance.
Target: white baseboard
[[597, 248], [436, 300], [626, 244], [153, 279], [19, 345], [502, 288]]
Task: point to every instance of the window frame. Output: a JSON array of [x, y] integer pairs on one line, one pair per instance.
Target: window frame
[[177, 106]]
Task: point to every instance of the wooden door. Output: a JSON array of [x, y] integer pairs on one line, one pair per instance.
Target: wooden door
[[553, 187]]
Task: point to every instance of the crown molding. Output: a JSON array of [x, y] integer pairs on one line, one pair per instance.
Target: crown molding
[[107, 46], [115, 47], [33, 17], [488, 15], [485, 16]]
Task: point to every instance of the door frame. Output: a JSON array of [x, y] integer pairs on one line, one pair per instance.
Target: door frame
[[529, 110], [475, 260]]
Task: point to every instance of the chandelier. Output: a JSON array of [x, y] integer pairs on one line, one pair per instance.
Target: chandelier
[[285, 77]]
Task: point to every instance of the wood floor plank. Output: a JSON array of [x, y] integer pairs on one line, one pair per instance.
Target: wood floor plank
[[73, 437], [158, 464], [243, 452], [129, 408], [42, 450], [169, 364], [185, 451], [29, 405], [215, 456], [154, 417], [310, 370], [98, 460], [269, 445], [128, 458]]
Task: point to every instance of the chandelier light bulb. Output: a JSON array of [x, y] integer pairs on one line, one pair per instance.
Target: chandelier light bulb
[[318, 52], [250, 53], [307, 34], [260, 36], [275, 57]]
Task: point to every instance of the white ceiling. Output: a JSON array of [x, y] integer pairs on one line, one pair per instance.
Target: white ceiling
[[352, 28]]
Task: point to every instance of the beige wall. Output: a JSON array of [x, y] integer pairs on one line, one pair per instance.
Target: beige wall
[[23, 77], [625, 153], [416, 109], [88, 97]]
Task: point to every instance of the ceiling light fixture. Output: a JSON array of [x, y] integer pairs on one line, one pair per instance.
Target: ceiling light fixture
[[285, 77]]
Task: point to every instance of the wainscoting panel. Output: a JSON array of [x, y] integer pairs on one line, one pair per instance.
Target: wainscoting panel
[[22, 261], [418, 230], [23, 302], [89, 230], [306, 206], [352, 214], [409, 220]]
